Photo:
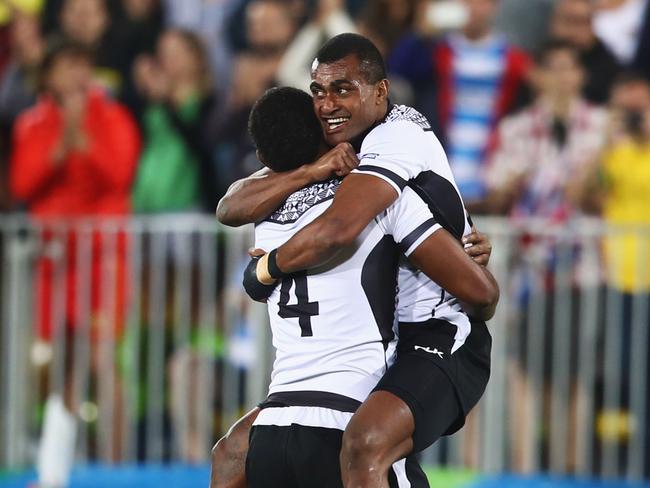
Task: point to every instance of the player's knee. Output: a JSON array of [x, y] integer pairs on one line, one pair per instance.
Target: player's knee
[[363, 446]]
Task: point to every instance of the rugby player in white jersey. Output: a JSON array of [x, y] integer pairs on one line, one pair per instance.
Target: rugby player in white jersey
[[441, 374], [335, 361]]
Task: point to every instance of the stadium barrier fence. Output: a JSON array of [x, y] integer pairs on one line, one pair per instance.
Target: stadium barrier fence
[[141, 327]]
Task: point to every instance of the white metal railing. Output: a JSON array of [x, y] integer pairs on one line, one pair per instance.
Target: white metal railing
[[154, 363], [568, 392]]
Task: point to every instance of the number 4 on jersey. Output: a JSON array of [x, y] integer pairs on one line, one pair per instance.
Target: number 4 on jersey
[[303, 309]]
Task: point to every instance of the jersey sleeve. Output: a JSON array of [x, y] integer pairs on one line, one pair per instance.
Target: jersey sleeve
[[395, 152], [409, 221]]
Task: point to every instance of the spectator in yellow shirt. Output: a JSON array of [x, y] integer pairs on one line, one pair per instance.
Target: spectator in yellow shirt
[[621, 191], [623, 186]]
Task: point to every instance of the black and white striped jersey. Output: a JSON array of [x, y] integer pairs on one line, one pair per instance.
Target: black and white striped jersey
[[403, 151], [334, 326]]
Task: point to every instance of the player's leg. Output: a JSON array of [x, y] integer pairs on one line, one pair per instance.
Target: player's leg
[[315, 456], [379, 433], [414, 404], [269, 460], [229, 454]]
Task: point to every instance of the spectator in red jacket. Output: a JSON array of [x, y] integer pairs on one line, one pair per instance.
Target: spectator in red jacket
[[74, 154]]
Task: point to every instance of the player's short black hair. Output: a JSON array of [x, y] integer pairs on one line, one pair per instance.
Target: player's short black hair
[[552, 46], [371, 62], [284, 128]]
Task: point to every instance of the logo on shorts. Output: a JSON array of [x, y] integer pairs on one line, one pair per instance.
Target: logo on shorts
[[434, 351]]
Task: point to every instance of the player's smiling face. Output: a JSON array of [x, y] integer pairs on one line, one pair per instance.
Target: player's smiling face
[[345, 103]]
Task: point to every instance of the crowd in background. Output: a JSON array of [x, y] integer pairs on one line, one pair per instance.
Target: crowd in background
[[113, 107], [156, 94], [120, 107]]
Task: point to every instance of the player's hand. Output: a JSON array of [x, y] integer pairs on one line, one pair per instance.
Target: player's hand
[[256, 252], [339, 161], [478, 247], [254, 288]]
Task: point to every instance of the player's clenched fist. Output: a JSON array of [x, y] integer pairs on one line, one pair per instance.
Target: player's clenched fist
[[339, 161]]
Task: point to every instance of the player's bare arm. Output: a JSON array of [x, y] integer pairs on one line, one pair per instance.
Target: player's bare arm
[[443, 260], [251, 199], [359, 199]]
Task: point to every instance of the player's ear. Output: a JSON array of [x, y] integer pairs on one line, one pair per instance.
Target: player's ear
[[381, 89]]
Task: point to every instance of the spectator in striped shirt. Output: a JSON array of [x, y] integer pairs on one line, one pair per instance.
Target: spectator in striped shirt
[[478, 77]]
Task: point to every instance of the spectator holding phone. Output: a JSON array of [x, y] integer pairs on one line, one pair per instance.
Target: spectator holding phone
[[619, 186]]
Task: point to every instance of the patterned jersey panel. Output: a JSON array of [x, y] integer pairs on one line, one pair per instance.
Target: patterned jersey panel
[[301, 201]]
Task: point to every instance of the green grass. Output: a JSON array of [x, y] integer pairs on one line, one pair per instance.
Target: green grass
[[447, 478]]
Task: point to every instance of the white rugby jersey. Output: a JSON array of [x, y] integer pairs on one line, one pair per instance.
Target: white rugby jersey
[[334, 326], [403, 151]]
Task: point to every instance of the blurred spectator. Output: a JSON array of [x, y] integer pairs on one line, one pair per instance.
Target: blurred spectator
[[544, 153], [543, 156], [618, 24], [270, 27], [238, 38], [572, 22], [74, 154], [525, 23], [66, 156], [175, 171], [620, 186], [330, 19], [18, 86], [88, 22], [210, 20], [137, 29], [478, 78], [387, 21]]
